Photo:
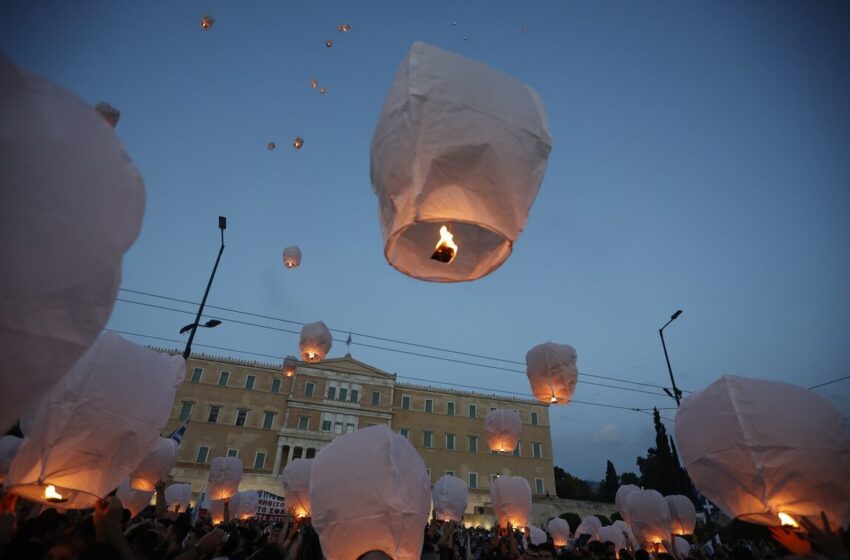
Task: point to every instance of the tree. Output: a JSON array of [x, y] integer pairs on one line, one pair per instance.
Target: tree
[[568, 486], [660, 469], [609, 485], [572, 519], [630, 478]]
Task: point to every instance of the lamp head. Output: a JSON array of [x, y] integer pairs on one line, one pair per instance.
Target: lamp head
[[676, 314], [222, 223], [212, 323]]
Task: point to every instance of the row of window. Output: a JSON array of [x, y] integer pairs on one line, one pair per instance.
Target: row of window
[[471, 443], [204, 453], [451, 408], [224, 380], [215, 413]]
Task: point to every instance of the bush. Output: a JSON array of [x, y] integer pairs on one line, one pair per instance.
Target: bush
[[604, 520], [572, 518], [616, 517]]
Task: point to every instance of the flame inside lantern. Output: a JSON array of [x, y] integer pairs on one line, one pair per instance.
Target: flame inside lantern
[[207, 22], [787, 520], [311, 355], [446, 249], [51, 495], [297, 143]]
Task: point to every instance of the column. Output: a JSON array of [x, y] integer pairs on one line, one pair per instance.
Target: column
[[278, 456], [289, 457]]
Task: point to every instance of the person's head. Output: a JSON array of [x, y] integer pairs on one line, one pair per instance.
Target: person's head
[[546, 551], [63, 549], [641, 554], [145, 543]]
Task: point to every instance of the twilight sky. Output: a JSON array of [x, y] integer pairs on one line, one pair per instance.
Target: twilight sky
[[701, 161]]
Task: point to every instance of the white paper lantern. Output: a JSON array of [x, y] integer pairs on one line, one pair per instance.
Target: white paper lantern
[[296, 486], [134, 500], [560, 531], [70, 206], [626, 529], [583, 529], [156, 465], [511, 498], [537, 536], [178, 496], [369, 491], [225, 476], [683, 547], [316, 342], [683, 515], [552, 372], [592, 524], [290, 366], [760, 448], [613, 534], [502, 428], [457, 146], [246, 507], [650, 517], [451, 496], [9, 446], [98, 423], [291, 257], [620, 499], [216, 510]]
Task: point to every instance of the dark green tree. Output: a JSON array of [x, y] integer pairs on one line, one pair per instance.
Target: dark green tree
[[572, 519], [630, 478], [660, 469], [608, 486], [568, 486]]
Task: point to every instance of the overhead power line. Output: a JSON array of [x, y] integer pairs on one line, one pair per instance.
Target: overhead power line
[[829, 382]]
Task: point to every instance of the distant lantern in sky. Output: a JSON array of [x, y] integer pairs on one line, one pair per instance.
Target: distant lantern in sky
[[290, 366], [459, 149], [314, 83], [552, 372], [156, 465], [71, 200], [296, 486], [369, 491], [683, 515], [316, 342], [322, 90], [454, 22], [225, 476], [560, 531], [450, 496], [178, 496], [765, 450], [108, 112], [621, 497], [291, 256], [502, 428], [650, 517], [298, 142], [344, 28], [511, 498], [207, 23], [271, 146], [329, 43]]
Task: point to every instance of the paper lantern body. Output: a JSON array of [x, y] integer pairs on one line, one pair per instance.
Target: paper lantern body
[[625, 528], [583, 529], [458, 145], [98, 423], [216, 510], [613, 534], [552, 372], [291, 257], [247, 504], [71, 201], [9, 446], [620, 499], [450, 495], [296, 486], [225, 476], [369, 490], [134, 500], [316, 342], [511, 497], [593, 524], [537, 536], [650, 517], [502, 428], [683, 515], [156, 465], [108, 112], [560, 531], [683, 547], [290, 366], [178, 495], [756, 448]]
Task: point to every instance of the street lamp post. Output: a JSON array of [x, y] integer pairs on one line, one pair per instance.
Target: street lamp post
[[222, 225], [676, 392]]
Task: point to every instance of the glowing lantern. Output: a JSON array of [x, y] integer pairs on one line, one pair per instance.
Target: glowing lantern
[[156, 465], [560, 531], [621, 497], [583, 529], [322, 90], [296, 486], [511, 497], [98, 423], [9, 446], [108, 112], [369, 491], [73, 201], [537, 536], [612, 534], [314, 83], [246, 506], [451, 496], [682, 547], [502, 428], [461, 146], [207, 23], [454, 22], [290, 366], [650, 517], [316, 342], [683, 515], [344, 28], [552, 372], [593, 525], [466, 38], [178, 496], [298, 142], [291, 256], [759, 449], [216, 510], [225, 476], [624, 528], [329, 43], [134, 500], [271, 146]]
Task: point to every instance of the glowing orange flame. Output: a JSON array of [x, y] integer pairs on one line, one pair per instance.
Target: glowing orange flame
[[297, 143], [786, 519], [314, 83], [207, 22], [51, 494], [344, 28], [311, 355], [446, 249], [329, 43]]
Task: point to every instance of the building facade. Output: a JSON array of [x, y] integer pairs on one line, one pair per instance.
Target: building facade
[[253, 411]]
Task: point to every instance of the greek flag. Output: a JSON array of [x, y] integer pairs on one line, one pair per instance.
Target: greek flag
[[177, 435]]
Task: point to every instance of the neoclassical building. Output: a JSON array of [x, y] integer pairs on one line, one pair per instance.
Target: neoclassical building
[[252, 411]]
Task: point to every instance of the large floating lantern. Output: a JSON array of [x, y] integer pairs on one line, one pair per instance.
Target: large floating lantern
[[178, 496], [316, 342], [511, 498], [156, 465], [767, 452], [290, 366], [291, 256], [71, 204], [613, 534], [650, 517], [683, 515], [502, 428], [131, 499], [296, 486], [109, 113], [225, 476], [621, 500], [560, 531], [9, 446], [97, 424], [458, 156], [369, 491], [552, 372], [451, 496]]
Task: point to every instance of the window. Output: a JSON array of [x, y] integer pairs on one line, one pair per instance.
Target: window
[[337, 427], [518, 450], [405, 402], [426, 438], [536, 450], [405, 433], [450, 441], [203, 452], [213, 417], [308, 389], [259, 460], [538, 486], [331, 393], [349, 427], [249, 382], [473, 411], [473, 444], [196, 374], [492, 408], [473, 480], [376, 398], [223, 378], [343, 394], [276, 385], [326, 425], [429, 405], [233, 453], [450, 408], [429, 473], [268, 420], [355, 395], [303, 422], [186, 410], [450, 473], [241, 416], [533, 418]]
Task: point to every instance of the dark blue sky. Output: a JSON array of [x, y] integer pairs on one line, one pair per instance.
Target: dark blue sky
[[701, 160]]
